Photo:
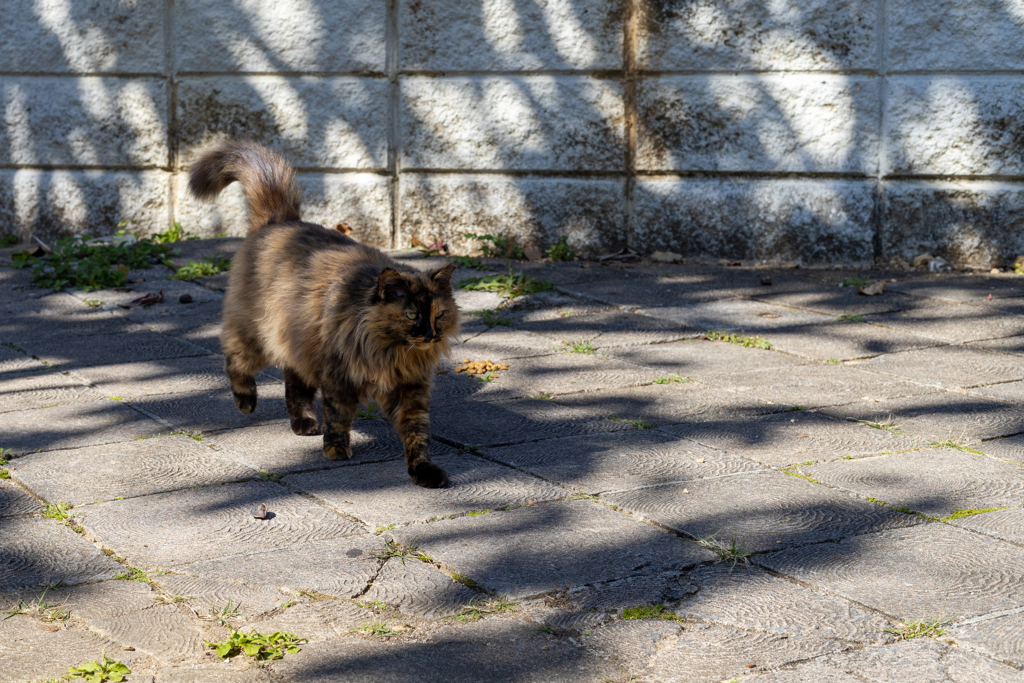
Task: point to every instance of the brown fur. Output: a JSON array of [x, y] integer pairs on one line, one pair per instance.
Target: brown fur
[[333, 313]]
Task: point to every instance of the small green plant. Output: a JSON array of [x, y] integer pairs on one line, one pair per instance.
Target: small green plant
[[855, 281], [852, 317], [374, 604], [649, 612], [316, 596], [58, 511], [76, 264], [833, 361], [270, 476], [175, 233], [581, 346], [171, 598], [496, 246], [402, 552], [798, 475], [479, 608], [8, 241], [733, 552], [561, 251], [132, 574], [889, 424], [382, 529], [92, 303], [257, 645], [746, 342], [231, 610], [958, 444], [637, 424], [924, 628], [5, 474], [472, 447], [376, 628], [508, 285], [476, 513], [469, 262], [116, 398], [486, 379], [210, 265], [490, 318], [96, 672], [465, 580], [370, 412], [543, 397], [960, 514], [41, 609], [547, 628], [671, 378]]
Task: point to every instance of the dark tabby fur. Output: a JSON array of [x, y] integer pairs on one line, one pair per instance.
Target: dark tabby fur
[[336, 315]]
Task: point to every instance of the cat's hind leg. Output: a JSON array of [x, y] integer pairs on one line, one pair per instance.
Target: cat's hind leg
[[298, 397], [339, 402]]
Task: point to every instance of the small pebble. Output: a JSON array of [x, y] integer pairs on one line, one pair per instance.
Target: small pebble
[[185, 299], [128, 648], [686, 490], [766, 281], [700, 459], [259, 511]]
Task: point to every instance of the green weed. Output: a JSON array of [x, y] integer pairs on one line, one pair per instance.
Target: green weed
[[402, 552], [480, 608], [508, 285], [496, 246], [41, 609], [855, 281], [58, 511], [221, 615], [106, 669], [833, 361], [316, 596], [376, 628], [210, 265], [175, 233], [733, 552], [465, 580], [581, 346], [924, 628], [490, 318], [171, 598], [747, 342], [370, 412], [649, 612], [561, 251], [382, 529], [960, 514], [469, 262], [889, 424], [76, 264], [852, 317], [270, 476], [257, 645], [637, 424], [92, 303], [132, 574], [958, 444], [476, 513], [673, 378], [8, 241], [548, 628]]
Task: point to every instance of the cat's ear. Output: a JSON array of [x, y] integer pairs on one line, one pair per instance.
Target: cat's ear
[[442, 276], [391, 284]]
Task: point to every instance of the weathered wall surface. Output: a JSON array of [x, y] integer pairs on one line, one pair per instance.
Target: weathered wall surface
[[851, 130]]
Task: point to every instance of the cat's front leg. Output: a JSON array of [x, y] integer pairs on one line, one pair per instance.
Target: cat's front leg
[[339, 403], [408, 408]]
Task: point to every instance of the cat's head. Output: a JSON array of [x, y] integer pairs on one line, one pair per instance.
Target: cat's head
[[417, 309]]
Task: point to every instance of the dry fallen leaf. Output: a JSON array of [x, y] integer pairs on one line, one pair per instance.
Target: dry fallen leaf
[[874, 289], [147, 300], [342, 228], [533, 252]]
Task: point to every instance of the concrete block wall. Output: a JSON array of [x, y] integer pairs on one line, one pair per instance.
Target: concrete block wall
[[820, 130]]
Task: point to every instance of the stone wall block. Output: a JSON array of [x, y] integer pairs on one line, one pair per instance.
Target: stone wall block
[[54, 203], [588, 212], [976, 223], [955, 125], [110, 36], [449, 35], [771, 123], [336, 122], [360, 200], [761, 36], [294, 35], [813, 221], [954, 35], [87, 121], [512, 123]]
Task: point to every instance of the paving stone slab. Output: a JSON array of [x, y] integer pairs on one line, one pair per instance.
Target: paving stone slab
[[213, 673], [103, 601], [922, 660], [698, 359], [303, 619], [760, 511], [28, 390], [380, 494], [501, 343], [31, 654], [606, 329], [941, 416], [935, 481], [1010, 448], [74, 426], [542, 548], [162, 632], [960, 289], [168, 530], [633, 643], [508, 422], [671, 403], [838, 340], [1006, 344], [486, 650], [28, 328], [811, 672], [646, 589], [701, 653], [417, 589], [99, 349], [751, 599], [209, 412], [1007, 391], [827, 298], [273, 447], [126, 470], [642, 290], [817, 385], [206, 334], [340, 567], [949, 366], [37, 551], [1007, 525], [956, 323], [753, 318], [1001, 638], [14, 501], [623, 460], [793, 437], [167, 376], [941, 571], [207, 594], [12, 362]]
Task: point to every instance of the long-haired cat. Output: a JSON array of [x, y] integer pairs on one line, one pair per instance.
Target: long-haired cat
[[334, 314]]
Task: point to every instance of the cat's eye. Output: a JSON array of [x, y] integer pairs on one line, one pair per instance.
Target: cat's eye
[[440, 314], [411, 315]]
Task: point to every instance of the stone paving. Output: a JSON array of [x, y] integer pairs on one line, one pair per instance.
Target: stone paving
[[786, 509]]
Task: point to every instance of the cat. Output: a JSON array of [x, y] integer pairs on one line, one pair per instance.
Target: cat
[[334, 314]]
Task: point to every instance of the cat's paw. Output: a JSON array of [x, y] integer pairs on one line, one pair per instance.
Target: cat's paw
[[246, 403], [428, 475], [336, 451], [305, 426]]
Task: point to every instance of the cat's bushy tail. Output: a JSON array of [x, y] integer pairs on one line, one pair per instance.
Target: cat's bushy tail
[[268, 181]]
